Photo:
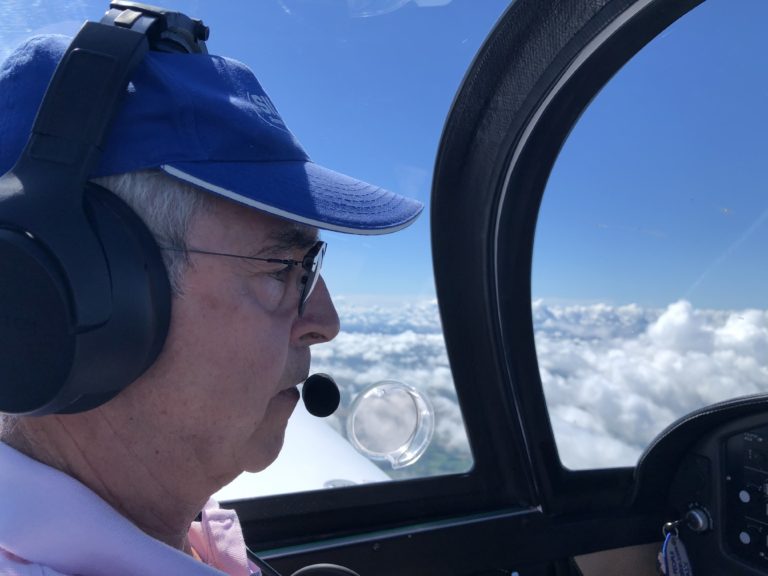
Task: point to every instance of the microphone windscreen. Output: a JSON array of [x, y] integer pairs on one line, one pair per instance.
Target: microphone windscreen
[[320, 394]]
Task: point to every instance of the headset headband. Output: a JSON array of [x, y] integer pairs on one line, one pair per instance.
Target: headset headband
[[84, 298], [64, 147]]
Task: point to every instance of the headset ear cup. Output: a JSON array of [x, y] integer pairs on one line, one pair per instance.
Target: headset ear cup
[[110, 357], [36, 329], [49, 365]]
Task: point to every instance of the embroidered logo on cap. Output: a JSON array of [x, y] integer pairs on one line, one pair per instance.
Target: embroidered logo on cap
[[267, 111]]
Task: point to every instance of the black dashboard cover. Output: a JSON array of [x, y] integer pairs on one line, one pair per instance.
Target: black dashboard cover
[[659, 462]]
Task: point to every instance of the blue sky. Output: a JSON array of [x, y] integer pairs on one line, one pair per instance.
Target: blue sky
[[659, 194], [368, 97]]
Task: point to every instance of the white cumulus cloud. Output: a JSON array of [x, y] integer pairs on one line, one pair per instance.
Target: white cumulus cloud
[[613, 376], [401, 342]]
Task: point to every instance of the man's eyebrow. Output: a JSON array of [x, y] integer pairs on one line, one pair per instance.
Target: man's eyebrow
[[287, 239]]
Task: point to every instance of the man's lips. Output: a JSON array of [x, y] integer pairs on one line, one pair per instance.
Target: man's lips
[[292, 392]]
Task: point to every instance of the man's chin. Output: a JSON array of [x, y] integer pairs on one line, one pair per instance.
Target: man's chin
[[268, 454], [267, 441]]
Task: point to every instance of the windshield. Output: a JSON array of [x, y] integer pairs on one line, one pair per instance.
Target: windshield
[[648, 277], [366, 86]]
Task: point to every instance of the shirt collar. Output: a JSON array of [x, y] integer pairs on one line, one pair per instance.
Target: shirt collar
[[50, 518]]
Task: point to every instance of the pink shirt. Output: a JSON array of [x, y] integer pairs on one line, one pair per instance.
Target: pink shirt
[[52, 525]]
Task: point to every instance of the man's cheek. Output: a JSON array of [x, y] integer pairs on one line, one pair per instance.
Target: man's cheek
[[262, 293]]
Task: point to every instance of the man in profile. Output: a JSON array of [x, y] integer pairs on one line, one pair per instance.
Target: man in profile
[[200, 153]]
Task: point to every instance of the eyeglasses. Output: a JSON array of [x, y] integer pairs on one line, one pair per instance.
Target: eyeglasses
[[311, 264]]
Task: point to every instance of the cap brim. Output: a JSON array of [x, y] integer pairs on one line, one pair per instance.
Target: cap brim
[[303, 192]]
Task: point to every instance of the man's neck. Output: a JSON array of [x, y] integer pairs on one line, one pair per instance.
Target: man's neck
[[92, 451]]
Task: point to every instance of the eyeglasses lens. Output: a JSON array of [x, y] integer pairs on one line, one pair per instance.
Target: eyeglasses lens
[[312, 264]]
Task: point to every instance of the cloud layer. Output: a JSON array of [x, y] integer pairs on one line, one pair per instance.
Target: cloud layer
[[401, 342], [614, 376]]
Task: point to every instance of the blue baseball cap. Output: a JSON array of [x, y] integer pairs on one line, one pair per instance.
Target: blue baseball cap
[[205, 120]]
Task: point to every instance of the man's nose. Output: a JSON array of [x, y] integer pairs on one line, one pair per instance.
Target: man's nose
[[320, 321]]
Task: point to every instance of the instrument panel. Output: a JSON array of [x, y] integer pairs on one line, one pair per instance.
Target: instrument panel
[[745, 501], [720, 494]]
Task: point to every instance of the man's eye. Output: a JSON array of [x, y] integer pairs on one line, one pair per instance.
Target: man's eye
[[282, 273]]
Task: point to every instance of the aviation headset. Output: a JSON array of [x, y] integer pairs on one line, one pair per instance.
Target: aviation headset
[[85, 300]]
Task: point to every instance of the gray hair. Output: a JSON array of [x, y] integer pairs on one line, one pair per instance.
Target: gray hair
[[167, 206], [7, 422]]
